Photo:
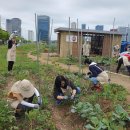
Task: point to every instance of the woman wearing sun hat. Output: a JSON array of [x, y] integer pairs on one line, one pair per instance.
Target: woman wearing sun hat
[[21, 96]]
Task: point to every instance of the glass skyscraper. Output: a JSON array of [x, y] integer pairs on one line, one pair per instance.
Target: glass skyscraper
[[43, 28], [99, 27], [13, 24]]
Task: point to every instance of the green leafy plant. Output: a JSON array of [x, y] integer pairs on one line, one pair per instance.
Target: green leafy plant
[[7, 120]]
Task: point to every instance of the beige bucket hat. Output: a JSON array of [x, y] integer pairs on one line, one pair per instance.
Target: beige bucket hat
[[24, 87]]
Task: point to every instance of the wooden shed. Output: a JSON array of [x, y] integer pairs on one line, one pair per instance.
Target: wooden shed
[[70, 41]]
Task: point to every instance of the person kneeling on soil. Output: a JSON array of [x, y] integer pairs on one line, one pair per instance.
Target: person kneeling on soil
[[21, 96], [96, 75], [64, 89]]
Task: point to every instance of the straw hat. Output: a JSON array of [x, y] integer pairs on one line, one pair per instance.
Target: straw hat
[[24, 87]]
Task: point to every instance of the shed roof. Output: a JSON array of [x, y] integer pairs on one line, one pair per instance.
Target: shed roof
[[87, 31]]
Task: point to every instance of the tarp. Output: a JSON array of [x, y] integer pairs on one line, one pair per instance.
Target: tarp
[[124, 45]]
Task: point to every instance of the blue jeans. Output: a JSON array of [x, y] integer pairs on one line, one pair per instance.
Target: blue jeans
[[94, 80], [59, 101]]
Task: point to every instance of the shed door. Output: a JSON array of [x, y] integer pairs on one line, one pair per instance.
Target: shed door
[[75, 50]]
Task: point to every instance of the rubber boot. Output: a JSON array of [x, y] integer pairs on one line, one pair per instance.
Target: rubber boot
[[98, 88]]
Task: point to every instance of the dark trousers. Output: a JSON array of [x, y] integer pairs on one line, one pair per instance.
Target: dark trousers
[[120, 62], [21, 109], [10, 65]]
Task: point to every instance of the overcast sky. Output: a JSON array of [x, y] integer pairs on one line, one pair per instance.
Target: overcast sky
[[89, 12]]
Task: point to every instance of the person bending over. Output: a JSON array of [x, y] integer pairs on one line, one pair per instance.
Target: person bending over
[[64, 88], [124, 59], [21, 97], [97, 74]]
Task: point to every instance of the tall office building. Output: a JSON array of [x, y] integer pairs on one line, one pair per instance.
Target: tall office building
[[126, 33], [99, 27], [73, 25], [43, 28], [30, 35], [83, 26], [13, 24]]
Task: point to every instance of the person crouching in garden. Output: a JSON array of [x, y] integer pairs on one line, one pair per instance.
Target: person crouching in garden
[[64, 89], [21, 97], [96, 75]]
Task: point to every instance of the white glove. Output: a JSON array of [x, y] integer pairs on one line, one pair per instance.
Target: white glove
[[86, 77], [36, 106], [72, 97], [39, 100], [65, 97]]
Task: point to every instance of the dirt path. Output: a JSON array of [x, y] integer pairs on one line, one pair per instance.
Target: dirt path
[[65, 120], [115, 78]]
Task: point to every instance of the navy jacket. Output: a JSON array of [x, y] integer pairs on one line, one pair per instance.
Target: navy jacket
[[95, 70]]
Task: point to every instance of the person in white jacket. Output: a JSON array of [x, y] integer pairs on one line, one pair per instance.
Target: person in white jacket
[[21, 97], [86, 49], [11, 53]]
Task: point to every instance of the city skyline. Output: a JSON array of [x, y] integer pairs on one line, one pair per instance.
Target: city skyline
[[87, 12]]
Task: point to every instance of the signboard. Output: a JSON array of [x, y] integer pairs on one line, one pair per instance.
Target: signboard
[[71, 38]]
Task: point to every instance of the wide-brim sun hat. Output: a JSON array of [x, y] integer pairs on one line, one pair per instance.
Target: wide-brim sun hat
[[24, 87]]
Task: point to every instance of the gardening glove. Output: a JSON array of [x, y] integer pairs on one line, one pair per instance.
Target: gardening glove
[[39, 100], [72, 97], [86, 77], [89, 74], [65, 97], [36, 106]]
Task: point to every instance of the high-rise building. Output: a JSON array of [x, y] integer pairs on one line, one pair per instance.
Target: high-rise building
[[9, 25], [30, 35], [83, 26], [73, 25], [99, 27], [43, 28], [13, 24], [125, 33]]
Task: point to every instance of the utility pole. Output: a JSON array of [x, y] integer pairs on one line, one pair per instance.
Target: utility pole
[[69, 40], [0, 21], [37, 48], [50, 34]]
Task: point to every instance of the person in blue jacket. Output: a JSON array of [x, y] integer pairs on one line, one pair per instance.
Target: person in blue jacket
[[96, 74], [64, 89]]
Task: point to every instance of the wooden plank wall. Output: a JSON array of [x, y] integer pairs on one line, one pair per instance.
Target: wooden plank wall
[[106, 45]]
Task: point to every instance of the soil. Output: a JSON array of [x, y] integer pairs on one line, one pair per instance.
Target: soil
[[64, 120]]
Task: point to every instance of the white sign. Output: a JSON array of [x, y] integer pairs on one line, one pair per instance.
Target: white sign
[[71, 38]]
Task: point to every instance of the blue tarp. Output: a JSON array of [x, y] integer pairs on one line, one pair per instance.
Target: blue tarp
[[124, 45]]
